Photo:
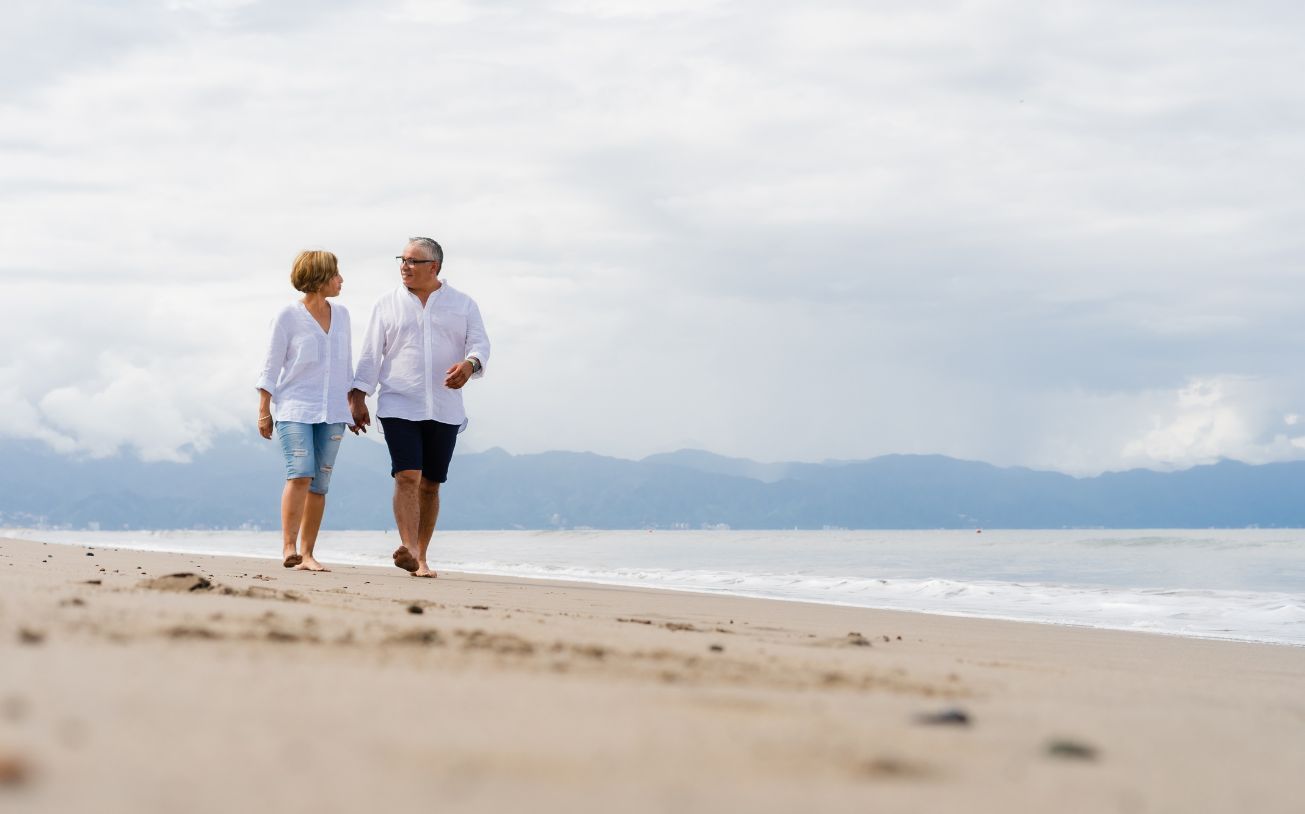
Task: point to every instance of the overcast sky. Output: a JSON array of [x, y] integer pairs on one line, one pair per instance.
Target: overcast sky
[[1055, 234]]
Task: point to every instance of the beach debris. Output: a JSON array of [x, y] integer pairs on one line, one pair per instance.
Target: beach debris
[[75, 601], [282, 636], [417, 609], [635, 621], [679, 626], [178, 583], [89, 554], [1071, 750], [95, 581], [717, 648], [263, 578], [14, 770], [28, 636], [953, 716], [855, 639]]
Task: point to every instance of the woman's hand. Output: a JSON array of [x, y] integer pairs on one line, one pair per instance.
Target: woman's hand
[[264, 413]]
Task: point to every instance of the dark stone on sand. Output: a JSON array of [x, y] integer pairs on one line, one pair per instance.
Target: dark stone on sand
[[717, 648], [1071, 750], [29, 636], [946, 717], [89, 554], [178, 583], [857, 640], [479, 607], [93, 581], [417, 609]]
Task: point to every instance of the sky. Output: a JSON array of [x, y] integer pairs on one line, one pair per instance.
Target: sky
[[1059, 235]]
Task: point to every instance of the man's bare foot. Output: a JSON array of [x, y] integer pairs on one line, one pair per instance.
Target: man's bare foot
[[404, 559], [291, 558], [424, 571], [310, 564]]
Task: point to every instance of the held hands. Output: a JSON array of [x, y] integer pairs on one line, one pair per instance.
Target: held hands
[[358, 409], [458, 375]]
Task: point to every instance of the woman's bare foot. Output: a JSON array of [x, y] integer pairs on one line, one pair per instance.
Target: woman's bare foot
[[404, 559], [423, 570], [291, 556], [310, 564]]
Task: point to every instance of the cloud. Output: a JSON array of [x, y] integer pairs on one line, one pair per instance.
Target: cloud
[[989, 230]]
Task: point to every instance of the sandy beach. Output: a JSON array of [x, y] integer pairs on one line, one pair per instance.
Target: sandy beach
[[245, 686]]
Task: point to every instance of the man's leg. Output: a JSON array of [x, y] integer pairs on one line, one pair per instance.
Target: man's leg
[[429, 497], [407, 513], [403, 438], [437, 442]]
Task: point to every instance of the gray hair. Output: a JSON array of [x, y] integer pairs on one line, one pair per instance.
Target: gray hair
[[436, 253]]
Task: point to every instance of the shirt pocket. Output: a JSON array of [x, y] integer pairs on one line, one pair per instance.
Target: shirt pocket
[[304, 350], [452, 324]]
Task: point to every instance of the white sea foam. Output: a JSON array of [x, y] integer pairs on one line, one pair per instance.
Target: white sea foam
[[1244, 585]]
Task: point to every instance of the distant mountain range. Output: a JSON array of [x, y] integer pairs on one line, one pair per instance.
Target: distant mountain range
[[237, 483]]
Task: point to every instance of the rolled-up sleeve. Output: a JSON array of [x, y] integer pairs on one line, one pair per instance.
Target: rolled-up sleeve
[[368, 370], [477, 343], [274, 360]]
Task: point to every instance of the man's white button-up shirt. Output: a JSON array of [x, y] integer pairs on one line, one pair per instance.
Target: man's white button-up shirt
[[308, 370], [408, 348]]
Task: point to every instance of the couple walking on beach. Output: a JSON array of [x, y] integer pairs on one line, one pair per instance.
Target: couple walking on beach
[[424, 342]]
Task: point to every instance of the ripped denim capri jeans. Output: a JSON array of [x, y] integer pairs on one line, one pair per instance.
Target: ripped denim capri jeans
[[310, 451]]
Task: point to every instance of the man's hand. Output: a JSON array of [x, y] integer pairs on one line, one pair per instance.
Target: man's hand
[[358, 410], [457, 375]]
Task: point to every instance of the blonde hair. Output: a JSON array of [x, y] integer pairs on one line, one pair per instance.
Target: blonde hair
[[312, 270]]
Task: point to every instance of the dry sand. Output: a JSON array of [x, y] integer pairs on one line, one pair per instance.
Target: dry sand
[[366, 689]]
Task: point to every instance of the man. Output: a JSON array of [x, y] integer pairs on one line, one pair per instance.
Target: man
[[424, 342]]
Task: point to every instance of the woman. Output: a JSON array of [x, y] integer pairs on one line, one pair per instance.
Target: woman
[[303, 397]]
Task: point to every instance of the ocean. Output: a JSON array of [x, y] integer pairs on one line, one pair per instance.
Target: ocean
[[1246, 584]]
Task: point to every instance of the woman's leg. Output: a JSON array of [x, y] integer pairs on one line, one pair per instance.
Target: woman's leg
[[292, 515], [326, 445], [297, 449], [314, 507]]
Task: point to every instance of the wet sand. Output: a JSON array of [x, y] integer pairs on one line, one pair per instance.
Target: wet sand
[[245, 686]]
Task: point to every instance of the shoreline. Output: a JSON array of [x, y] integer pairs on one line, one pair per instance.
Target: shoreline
[[379, 561], [302, 692]]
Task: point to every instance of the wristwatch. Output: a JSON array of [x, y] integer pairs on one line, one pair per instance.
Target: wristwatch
[[475, 364]]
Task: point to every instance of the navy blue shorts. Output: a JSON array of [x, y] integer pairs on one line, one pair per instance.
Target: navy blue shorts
[[424, 445]]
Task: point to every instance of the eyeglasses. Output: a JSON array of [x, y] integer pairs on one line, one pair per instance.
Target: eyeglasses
[[411, 261]]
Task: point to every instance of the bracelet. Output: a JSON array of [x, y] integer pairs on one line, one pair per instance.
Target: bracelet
[[261, 417]]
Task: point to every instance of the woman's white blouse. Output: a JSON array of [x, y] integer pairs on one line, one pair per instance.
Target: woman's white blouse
[[307, 370]]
